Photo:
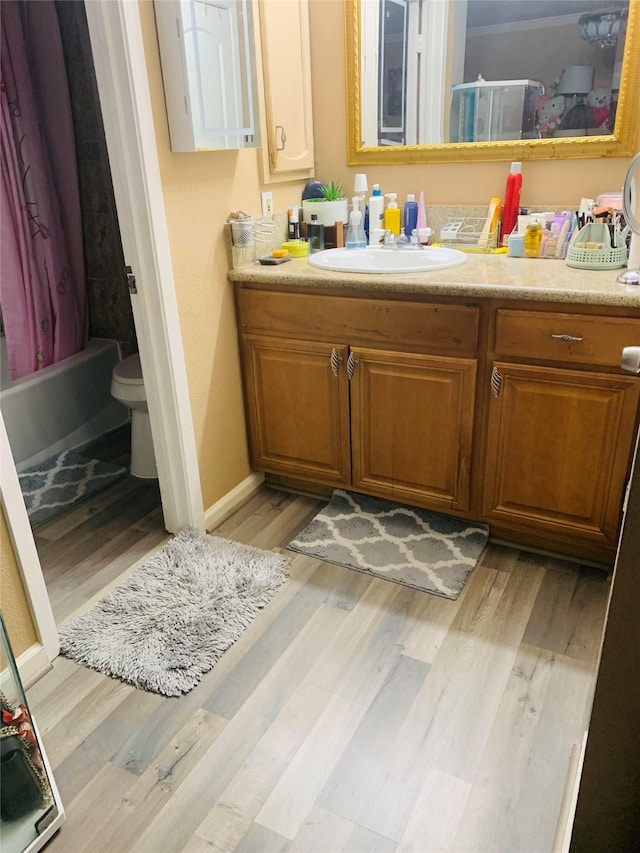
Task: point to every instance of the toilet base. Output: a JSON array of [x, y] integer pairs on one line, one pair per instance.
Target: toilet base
[[143, 459]]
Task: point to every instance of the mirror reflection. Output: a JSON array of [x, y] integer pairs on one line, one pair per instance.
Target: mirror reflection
[[488, 70]]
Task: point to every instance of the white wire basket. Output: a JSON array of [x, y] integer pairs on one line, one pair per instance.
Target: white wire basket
[[263, 229], [242, 231]]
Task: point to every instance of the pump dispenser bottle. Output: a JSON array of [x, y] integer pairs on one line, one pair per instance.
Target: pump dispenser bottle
[[376, 210], [392, 214], [356, 238]]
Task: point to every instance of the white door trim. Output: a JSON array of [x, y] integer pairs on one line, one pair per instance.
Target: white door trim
[[24, 547], [119, 59]]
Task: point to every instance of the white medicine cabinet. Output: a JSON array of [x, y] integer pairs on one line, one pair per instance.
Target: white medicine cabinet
[[209, 73]]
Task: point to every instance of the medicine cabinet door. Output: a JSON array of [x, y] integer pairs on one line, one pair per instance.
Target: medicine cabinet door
[[207, 52]]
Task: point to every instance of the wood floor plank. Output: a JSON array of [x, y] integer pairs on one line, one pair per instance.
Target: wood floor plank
[[504, 770], [436, 815], [231, 694], [469, 674], [561, 728], [257, 839], [67, 735], [319, 826], [246, 793], [363, 776], [98, 747], [94, 811], [149, 793], [559, 613], [363, 840], [297, 791]]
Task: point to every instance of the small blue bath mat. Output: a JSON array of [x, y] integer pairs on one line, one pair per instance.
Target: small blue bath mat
[[425, 550], [59, 482]]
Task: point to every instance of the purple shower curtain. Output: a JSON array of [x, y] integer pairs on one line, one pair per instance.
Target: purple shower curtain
[[43, 289]]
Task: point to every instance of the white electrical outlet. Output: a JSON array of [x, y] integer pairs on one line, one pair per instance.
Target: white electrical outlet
[[267, 204]]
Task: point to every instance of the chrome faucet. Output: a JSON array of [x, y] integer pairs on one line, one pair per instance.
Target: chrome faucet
[[400, 241]]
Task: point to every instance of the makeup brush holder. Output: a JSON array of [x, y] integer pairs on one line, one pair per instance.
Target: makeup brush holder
[[591, 249]]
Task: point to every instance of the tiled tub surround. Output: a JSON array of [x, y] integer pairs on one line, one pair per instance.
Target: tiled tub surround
[[491, 390]]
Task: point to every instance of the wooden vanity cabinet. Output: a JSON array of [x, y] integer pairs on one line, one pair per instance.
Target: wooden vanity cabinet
[[560, 428], [345, 391], [508, 412]]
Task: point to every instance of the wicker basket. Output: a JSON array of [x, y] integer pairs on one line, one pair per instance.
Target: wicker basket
[[605, 258]]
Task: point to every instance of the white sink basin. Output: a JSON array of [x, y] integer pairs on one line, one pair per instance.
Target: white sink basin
[[374, 260]]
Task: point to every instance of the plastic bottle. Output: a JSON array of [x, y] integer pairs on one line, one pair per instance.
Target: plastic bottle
[[410, 215], [421, 224], [376, 211], [356, 238], [511, 202], [315, 234], [294, 223], [532, 240], [392, 214]]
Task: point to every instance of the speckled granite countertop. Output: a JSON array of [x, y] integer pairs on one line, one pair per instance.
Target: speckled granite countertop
[[495, 276]]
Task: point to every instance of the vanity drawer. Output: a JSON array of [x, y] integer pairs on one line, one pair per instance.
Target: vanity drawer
[[579, 338], [427, 326]]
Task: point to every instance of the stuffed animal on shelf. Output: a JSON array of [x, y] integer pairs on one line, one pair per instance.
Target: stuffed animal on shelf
[[600, 102], [549, 114]]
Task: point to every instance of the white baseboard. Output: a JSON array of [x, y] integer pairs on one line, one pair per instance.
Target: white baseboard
[[233, 500], [32, 665]]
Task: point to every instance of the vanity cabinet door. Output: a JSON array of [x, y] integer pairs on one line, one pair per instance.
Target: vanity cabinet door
[[412, 427], [558, 450], [297, 401]]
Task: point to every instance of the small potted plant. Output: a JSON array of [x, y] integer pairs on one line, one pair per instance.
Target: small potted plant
[[330, 207]]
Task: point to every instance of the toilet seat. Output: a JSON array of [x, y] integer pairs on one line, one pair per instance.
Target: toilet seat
[[129, 371]]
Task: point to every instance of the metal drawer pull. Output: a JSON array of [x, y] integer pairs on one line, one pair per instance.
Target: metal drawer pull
[[496, 382], [336, 361], [567, 338], [352, 363]]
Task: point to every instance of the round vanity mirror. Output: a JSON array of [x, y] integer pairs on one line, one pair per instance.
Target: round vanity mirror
[[631, 210]]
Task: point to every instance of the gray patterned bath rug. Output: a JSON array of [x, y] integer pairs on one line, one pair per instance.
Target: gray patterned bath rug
[[425, 550], [59, 482]]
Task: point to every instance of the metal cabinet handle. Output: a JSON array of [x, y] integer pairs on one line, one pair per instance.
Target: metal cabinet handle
[[283, 137], [496, 382], [336, 361], [567, 338], [352, 363]]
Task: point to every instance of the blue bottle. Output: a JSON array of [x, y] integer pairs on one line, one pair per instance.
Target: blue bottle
[[410, 214]]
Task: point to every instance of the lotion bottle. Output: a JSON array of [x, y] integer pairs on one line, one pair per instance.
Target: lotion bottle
[[376, 213], [410, 215], [392, 214], [356, 238]]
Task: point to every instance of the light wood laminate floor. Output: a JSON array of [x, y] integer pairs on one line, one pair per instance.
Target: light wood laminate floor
[[354, 714]]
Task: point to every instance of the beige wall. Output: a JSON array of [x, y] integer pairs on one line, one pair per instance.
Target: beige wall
[[199, 192], [13, 601], [544, 182]]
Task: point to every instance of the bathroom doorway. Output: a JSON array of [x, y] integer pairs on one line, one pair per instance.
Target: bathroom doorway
[[115, 28]]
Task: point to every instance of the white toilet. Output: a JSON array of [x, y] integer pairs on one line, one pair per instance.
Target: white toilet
[[127, 386]]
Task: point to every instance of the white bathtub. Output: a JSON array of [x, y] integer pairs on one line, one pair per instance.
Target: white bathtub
[[62, 406]]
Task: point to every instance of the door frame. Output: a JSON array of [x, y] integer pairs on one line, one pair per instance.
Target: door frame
[[118, 53]]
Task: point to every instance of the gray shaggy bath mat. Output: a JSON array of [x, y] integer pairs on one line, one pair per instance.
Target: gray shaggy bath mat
[[171, 620]]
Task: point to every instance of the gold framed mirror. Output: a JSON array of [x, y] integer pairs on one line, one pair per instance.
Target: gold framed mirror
[[617, 141]]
